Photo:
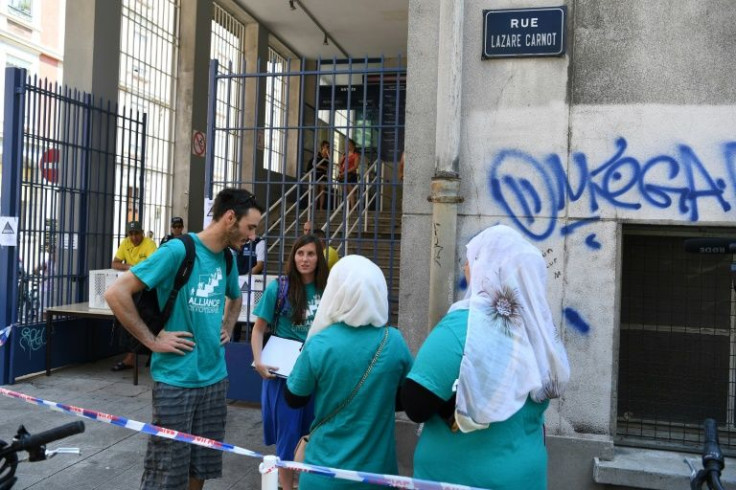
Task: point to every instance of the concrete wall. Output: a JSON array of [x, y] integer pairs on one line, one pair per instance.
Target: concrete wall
[[644, 96]]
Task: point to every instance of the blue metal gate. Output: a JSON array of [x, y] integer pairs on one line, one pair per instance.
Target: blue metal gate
[[72, 175], [265, 133], [266, 129]]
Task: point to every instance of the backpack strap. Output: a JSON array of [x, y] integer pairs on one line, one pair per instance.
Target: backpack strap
[[228, 261], [182, 275], [283, 292], [280, 301]]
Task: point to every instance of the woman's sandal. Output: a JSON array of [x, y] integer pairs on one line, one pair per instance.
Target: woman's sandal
[[120, 366]]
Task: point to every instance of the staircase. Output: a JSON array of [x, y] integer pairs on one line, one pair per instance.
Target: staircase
[[374, 234]]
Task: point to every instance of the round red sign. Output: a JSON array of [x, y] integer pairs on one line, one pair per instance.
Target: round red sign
[[49, 165]]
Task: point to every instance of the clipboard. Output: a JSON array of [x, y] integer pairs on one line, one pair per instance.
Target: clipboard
[[282, 353]]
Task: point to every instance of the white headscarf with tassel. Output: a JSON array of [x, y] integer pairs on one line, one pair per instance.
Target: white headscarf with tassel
[[513, 349]]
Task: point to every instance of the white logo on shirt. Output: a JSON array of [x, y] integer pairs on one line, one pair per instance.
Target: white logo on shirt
[[207, 284], [200, 300]]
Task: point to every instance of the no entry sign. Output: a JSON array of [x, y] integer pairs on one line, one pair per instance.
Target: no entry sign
[[49, 165]]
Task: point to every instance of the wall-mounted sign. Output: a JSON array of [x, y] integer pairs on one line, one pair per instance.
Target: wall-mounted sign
[[8, 231], [199, 143], [524, 32]]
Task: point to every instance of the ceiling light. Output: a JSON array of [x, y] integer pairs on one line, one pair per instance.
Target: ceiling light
[[291, 4], [326, 41]]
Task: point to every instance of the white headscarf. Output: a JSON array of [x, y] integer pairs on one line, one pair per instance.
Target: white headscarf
[[356, 294], [512, 349]]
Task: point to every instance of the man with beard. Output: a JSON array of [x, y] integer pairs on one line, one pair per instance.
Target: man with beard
[[188, 361]]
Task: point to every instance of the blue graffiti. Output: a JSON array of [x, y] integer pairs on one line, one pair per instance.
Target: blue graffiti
[[32, 339], [591, 242], [576, 321], [621, 181]]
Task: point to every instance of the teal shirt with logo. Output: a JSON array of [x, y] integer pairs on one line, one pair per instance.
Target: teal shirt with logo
[[199, 308], [285, 328]]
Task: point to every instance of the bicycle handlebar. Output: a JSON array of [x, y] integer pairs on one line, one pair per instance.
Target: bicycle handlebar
[[712, 454], [34, 445], [713, 462], [43, 438]]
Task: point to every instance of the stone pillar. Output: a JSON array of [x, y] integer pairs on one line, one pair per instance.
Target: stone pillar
[[91, 65], [191, 110], [92, 46]]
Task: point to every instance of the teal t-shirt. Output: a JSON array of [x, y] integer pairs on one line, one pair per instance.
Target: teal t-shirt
[[265, 309], [361, 436], [198, 309], [507, 455]]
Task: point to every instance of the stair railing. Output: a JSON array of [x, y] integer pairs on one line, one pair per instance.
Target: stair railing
[[346, 228]]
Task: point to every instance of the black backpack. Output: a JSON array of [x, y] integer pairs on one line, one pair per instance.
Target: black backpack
[[146, 301]]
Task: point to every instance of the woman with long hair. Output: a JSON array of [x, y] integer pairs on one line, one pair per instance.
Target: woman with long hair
[[288, 305], [352, 364], [485, 374]]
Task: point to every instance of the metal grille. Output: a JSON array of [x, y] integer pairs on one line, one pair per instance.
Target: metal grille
[[676, 358], [149, 50], [60, 152], [276, 102], [227, 45], [331, 101]]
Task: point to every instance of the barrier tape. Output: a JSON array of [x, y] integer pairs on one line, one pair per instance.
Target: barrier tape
[[374, 478], [134, 425], [358, 476]]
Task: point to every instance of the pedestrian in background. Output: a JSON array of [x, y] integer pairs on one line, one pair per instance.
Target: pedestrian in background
[[134, 249], [177, 229]]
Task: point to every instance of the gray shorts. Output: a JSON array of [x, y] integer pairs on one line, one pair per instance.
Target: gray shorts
[[198, 411]]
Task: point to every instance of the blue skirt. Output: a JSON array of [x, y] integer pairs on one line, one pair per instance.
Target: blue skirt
[[283, 425]]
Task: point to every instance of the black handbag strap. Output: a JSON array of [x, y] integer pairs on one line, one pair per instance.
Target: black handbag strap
[[350, 397]]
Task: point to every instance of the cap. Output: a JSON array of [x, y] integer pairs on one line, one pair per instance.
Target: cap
[[134, 226], [177, 220]]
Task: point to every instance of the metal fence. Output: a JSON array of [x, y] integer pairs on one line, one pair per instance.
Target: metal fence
[[677, 348], [72, 176], [289, 108]]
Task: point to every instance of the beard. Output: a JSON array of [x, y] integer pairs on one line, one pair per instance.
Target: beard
[[234, 239]]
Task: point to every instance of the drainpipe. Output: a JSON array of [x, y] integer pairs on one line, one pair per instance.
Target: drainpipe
[[446, 181]]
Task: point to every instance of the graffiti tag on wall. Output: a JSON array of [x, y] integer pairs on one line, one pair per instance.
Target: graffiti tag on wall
[[621, 181]]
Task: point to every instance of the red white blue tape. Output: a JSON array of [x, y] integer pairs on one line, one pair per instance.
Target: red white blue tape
[[132, 424], [374, 478], [358, 476]]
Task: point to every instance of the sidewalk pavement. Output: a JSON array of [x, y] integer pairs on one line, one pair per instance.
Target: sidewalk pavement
[[112, 457]]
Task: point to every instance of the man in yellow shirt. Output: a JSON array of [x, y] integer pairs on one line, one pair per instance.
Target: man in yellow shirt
[[134, 248], [331, 254]]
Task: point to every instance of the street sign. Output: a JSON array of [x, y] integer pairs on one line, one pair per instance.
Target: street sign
[[8, 231], [524, 32], [49, 165]]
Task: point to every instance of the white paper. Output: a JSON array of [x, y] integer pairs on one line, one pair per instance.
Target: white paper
[[281, 353]]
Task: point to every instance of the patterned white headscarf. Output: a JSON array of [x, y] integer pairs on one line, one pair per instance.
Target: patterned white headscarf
[[356, 294], [513, 349]]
